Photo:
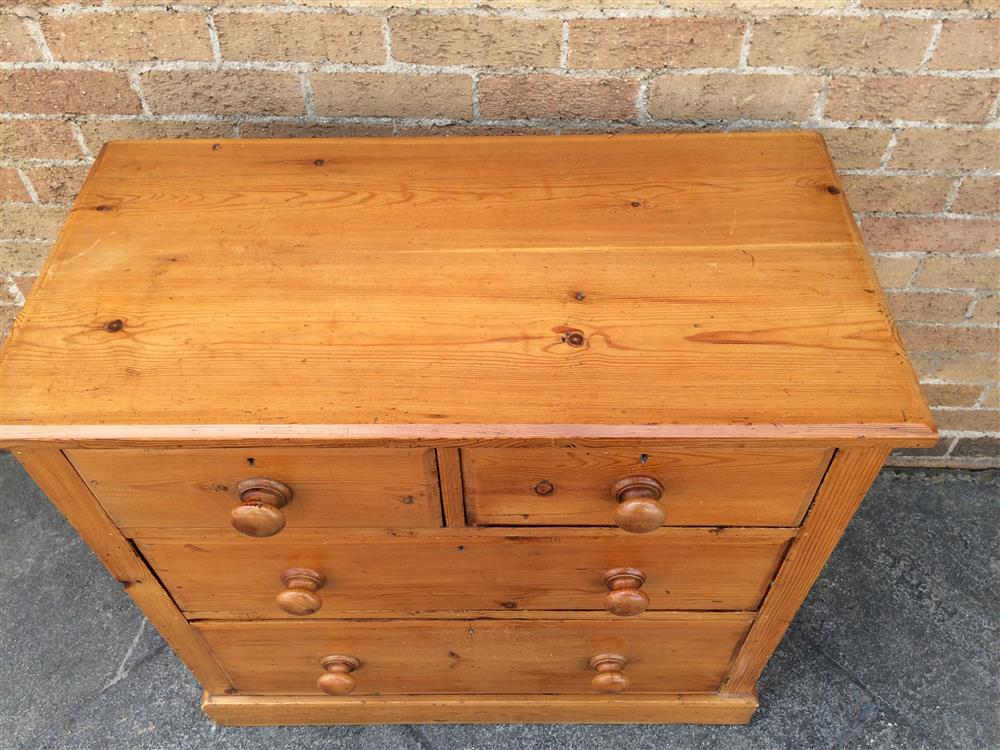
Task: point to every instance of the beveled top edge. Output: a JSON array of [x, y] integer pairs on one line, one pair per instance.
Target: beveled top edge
[[892, 435]]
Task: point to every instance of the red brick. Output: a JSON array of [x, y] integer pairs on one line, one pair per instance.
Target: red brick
[[911, 98], [655, 42], [98, 132], [992, 398], [933, 4], [24, 284], [30, 221], [951, 394], [50, 3], [978, 195], [939, 449], [392, 95], [987, 311], [967, 420], [924, 363], [937, 307], [978, 447], [38, 139], [856, 148], [16, 44], [894, 271], [474, 129], [57, 184], [968, 45], [969, 272], [937, 338], [525, 96], [214, 3], [22, 257], [717, 96], [56, 92], [311, 130], [947, 149], [7, 316], [896, 194], [895, 235], [7, 295], [823, 41], [476, 40], [128, 36], [312, 37], [965, 368], [11, 187], [226, 92]]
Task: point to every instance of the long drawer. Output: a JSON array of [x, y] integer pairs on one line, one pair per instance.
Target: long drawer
[[326, 487], [221, 575], [731, 486], [477, 656]]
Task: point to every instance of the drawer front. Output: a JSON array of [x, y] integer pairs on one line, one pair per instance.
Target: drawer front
[[699, 569], [199, 488], [416, 657], [700, 487]]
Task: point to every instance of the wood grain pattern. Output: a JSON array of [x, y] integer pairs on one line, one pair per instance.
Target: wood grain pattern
[[426, 657], [452, 487], [252, 710], [57, 479], [851, 474], [610, 677], [734, 485], [498, 435], [197, 488], [510, 614], [434, 282], [437, 344], [220, 575], [336, 678], [259, 510]]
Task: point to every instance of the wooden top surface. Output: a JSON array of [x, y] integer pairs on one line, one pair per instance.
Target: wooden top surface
[[422, 288]]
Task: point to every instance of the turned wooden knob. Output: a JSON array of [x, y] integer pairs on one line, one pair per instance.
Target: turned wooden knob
[[299, 597], [609, 677], [639, 510], [624, 597], [259, 512], [337, 679]]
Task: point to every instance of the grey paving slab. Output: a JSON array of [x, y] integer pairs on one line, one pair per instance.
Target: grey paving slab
[[896, 647]]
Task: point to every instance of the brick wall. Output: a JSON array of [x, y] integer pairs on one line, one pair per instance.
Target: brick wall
[[904, 90]]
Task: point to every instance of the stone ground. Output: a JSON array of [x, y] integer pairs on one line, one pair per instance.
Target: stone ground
[[896, 647]]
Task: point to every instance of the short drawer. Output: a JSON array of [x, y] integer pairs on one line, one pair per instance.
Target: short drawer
[[476, 656], [326, 487], [219, 576], [738, 486]]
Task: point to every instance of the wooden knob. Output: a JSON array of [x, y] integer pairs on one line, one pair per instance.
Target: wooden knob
[[639, 510], [624, 597], [299, 597], [337, 679], [258, 513], [609, 677]]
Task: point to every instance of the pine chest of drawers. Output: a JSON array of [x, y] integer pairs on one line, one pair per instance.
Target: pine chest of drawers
[[467, 429]]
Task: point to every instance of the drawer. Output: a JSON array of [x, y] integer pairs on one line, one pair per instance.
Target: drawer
[[325, 487], [477, 656], [696, 487], [458, 569]]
